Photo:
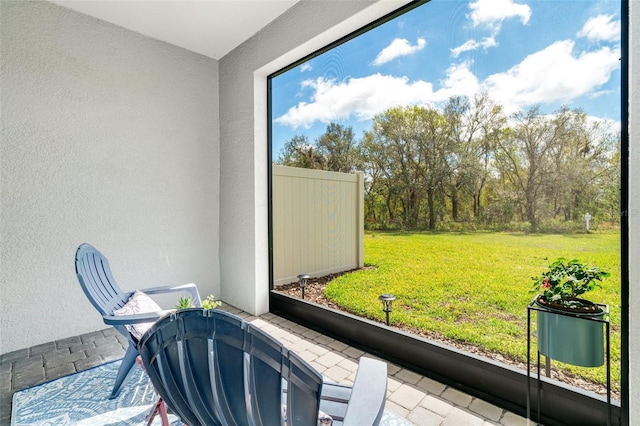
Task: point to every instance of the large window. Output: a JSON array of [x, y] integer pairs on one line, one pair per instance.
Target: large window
[[488, 134]]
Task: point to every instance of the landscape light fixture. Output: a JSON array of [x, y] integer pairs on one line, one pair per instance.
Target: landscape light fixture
[[304, 279], [387, 301]]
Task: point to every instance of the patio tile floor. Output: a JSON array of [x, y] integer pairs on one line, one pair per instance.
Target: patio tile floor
[[410, 395]]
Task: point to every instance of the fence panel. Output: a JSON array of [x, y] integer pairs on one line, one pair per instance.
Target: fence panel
[[318, 222]]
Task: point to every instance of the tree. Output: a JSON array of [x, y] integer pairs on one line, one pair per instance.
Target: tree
[[434, 150], [378, 205], [526, 157], [582, 163], [298, 152], [339, 149], [610, 181], [491, 121], [407, 147], [473, 126]]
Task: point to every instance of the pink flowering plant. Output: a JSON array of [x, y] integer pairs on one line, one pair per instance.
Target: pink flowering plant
[[564, 281]]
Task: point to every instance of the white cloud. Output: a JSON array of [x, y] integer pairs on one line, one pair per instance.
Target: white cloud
[[491, 13], [553, 74], [363, 97], [486, 43], [601, 28], [460, 81], [367, 96], [305, 67], [398, 47]]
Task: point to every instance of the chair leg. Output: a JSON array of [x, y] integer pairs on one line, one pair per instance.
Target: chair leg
[[160, 408], [127, 363]]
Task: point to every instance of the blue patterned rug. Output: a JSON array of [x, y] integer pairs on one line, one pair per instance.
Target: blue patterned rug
[[82, 399]]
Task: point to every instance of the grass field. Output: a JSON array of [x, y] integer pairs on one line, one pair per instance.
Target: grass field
[[475, 287]]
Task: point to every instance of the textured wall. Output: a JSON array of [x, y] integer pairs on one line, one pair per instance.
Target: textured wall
[[308, 26], [634, 213], [108, 137]]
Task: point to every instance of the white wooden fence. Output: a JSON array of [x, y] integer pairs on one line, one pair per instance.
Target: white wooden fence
[[318, 222]]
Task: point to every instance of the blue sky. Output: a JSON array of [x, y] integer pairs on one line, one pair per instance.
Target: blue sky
[[523, 53]]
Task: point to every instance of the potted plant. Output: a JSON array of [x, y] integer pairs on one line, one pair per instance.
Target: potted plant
[[569, 327]]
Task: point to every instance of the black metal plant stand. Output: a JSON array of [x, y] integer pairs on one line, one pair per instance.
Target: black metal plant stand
[[605, 320]]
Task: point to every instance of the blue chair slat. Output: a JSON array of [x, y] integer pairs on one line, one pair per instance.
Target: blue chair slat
[[227, 378], [264, 357], [177, 401], [104, 293], [334, 400], [304, 386], [192, 356]]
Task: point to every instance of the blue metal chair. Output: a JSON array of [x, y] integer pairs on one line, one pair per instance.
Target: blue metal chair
[[98, 284], [213, 368]]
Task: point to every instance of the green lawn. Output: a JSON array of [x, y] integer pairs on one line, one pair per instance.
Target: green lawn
[[474, 287]]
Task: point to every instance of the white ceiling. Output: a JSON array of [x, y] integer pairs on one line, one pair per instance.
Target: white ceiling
[[210, 27]]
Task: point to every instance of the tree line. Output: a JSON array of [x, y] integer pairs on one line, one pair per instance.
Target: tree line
[[469, 165]]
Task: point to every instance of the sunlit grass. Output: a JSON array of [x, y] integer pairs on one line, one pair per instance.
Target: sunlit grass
[[475, 287]]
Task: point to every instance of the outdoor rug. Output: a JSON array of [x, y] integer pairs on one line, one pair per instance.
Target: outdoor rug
[[82, 399]]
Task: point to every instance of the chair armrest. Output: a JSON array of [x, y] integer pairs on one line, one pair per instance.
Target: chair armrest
[[189, 288], [136, 318], [368, 394]]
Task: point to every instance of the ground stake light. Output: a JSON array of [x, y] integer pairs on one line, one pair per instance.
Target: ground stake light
[[387, 301], [304, 279]]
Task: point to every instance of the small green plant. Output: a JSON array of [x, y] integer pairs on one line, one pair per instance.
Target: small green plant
[[563, 281], [184, 303], [209, 303]]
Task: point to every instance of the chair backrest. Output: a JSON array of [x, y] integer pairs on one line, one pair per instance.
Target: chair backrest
[[96, 280], [211, 367]]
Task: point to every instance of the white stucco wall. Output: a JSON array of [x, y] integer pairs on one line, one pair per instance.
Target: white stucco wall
[[308, 26], [634, 213], [108, 137]]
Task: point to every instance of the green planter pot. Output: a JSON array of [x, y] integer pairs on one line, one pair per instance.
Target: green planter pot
[[573, 339]]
